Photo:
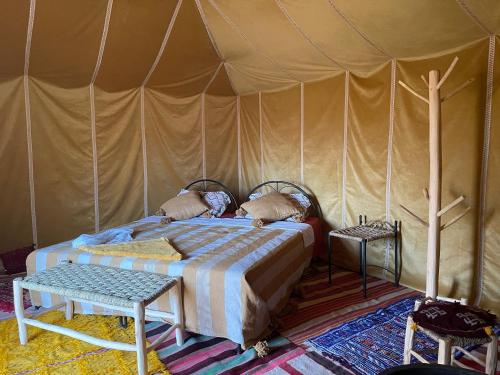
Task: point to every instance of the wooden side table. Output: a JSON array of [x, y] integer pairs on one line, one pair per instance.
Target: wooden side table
[[364, 233]]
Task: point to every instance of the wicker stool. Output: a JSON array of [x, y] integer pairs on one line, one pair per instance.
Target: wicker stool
[[125, 291], [448, 343]]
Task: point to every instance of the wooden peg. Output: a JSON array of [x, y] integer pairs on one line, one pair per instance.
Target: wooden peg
[[426, 193], [413, 92], [455, 219], [420, 220], [448, 72], [458, 89], [451, 205], [425, 80]]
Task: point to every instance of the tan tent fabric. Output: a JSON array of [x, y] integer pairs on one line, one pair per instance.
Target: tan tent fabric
[[173, 138], [145, 66], [65, 44], [323, 144], [119, 160], [250, 144], [221, 140], [281, 135], [62, 151], [15, 198], [491, 277]]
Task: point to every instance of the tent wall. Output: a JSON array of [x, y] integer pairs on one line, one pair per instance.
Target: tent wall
[[107, 109], [385, 147]]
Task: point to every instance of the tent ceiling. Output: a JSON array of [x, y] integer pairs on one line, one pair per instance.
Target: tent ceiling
[[262, 44]]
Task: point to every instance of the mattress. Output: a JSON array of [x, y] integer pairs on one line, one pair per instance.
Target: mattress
[[235, 276]]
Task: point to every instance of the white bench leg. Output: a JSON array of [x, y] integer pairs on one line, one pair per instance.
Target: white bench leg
[[409, 335], [178, 312], [70, 308], [140, 338], [19, 309]]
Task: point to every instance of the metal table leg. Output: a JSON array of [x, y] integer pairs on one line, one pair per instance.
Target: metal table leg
[[360, 249], [396, 255], [363, 262]]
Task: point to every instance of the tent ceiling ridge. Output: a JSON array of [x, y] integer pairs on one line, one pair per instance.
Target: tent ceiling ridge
[[304, 35], [356, 30], [212, 79], [163, 43], [465, 8], [245, 38], [104, 37]]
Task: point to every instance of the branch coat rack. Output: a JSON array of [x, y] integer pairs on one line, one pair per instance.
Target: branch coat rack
[[433, 193]]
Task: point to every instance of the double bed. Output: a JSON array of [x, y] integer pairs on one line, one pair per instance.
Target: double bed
[[235, 276]]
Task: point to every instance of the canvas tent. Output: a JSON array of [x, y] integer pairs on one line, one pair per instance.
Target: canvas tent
[[108, 107]]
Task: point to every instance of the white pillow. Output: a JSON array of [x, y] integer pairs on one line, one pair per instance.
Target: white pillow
[[218, 201]]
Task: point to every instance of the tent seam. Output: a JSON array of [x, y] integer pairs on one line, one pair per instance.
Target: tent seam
[[355, 29], [484, 167], [344, 151], [261, 140], [144, 155], [244, 37], [238, 140], [390, 139], [93, 114], [302, 132], [465, 8], [304, 35], [203, 134], [166, 37], [27, 107], [212, 79]]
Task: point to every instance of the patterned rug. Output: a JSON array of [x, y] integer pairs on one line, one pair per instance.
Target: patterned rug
[[7, 296], [315, 308], [51, 353]]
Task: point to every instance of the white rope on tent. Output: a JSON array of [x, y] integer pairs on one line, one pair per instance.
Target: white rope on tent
[[203, 144], [389, 160], [475, 18], [344, 151], [163, 43], [212, 79], [484, 168], [304, 35], [142, 89], [238, 140], [356, 30], [93, 115], [245, 38], [144, 155], [261, 139], [27, 106], [302, 133], [231, 66]]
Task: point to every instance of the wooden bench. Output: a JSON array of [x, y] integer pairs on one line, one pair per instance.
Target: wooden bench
[[125, 291]]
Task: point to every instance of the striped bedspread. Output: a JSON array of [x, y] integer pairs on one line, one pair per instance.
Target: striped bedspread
[[235, 276]]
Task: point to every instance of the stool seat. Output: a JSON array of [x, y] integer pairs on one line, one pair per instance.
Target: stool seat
[[455, 327]]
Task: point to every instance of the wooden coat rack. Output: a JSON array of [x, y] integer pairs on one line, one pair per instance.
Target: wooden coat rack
[[433, 194]]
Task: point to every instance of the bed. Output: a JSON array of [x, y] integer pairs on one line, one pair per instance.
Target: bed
[[235, 276]]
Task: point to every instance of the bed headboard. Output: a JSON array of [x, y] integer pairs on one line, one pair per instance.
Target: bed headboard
[[213, 185], [289, 187]]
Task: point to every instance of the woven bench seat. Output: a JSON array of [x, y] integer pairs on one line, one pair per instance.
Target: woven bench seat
[[126, 291], [95, 283]]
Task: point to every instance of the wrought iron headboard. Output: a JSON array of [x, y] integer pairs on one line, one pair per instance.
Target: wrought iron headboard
[[290, 187], [213, 185]]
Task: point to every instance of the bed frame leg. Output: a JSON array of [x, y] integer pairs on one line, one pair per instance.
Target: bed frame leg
[[122, 321]]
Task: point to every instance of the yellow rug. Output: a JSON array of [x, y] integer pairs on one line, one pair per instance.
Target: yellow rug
[[49, 353]]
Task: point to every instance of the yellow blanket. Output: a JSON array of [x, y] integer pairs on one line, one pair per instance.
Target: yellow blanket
[[158, 248]]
